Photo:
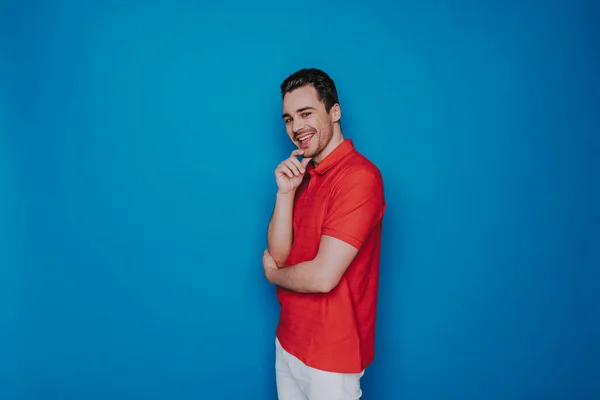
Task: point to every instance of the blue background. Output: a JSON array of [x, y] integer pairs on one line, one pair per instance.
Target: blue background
[[137, 144]]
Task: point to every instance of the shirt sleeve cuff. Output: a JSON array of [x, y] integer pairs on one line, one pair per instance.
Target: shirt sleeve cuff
[[343, 237]]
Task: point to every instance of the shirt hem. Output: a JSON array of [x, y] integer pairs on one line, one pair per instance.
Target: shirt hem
[[318, 366]]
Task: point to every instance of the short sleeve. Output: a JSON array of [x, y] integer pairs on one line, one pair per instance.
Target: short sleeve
[[357, 205]]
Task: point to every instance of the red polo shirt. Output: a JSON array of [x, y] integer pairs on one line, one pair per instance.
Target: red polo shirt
[[342, 197]]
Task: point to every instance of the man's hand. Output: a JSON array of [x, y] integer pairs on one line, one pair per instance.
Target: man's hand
[[289, 172], [269, 265], [288, 175]]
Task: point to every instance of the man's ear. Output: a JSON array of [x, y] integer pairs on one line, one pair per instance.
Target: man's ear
[[335, 112]]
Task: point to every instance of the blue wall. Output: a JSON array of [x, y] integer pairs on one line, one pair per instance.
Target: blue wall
[[12, 260], [137, 144]]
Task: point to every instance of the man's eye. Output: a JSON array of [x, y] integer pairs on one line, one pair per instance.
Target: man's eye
[[306, 114]]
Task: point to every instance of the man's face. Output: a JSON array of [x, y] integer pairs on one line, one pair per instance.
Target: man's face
[[307, 123]]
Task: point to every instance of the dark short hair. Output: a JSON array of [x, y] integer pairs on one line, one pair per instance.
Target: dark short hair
[[311, 76]]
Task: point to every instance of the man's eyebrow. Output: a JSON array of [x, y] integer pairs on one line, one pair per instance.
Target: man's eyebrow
[[299, 110]]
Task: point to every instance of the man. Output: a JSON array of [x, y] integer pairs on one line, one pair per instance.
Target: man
[[323, 248]]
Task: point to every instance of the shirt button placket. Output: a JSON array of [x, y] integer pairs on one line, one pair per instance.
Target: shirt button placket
[[311, 183]]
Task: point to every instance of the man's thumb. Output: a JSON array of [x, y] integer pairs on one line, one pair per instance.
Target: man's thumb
[[305, 161]]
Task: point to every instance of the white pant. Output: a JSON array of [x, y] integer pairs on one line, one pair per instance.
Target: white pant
[[297, 381]]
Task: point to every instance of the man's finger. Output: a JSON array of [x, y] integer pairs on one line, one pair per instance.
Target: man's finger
[[297, 152], [287, 171], [295, 167], [297, 164], [305, 161]]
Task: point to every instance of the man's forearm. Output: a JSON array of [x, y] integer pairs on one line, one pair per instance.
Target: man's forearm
[[304, 277], [279, 236]]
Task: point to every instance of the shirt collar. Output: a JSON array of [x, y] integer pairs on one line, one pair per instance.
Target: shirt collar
[[341, 151]]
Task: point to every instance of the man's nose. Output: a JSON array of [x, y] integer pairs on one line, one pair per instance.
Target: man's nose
[[297, 125]]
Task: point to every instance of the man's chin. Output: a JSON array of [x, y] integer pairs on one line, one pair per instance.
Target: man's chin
[[308, 153]]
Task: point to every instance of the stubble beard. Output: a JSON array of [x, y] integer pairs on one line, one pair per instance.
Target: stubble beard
[[323, 139]]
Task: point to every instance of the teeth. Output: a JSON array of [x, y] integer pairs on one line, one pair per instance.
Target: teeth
[[303, 138]]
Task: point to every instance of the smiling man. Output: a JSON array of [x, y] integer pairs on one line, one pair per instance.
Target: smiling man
[[323, 253]]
